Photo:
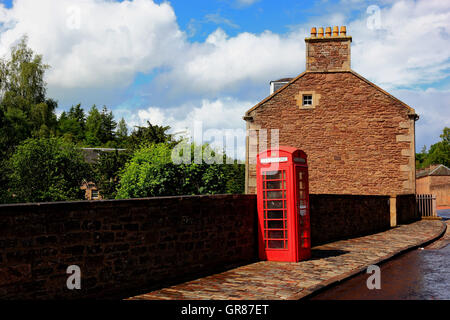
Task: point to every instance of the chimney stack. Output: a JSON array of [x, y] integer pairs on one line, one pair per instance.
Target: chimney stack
[[328, 52]]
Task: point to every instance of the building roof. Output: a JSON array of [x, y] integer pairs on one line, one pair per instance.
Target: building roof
[[282, 80], [411, 110], [434, 170], [91, 155]]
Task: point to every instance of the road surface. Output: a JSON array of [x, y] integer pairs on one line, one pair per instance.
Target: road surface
[[421, 274]]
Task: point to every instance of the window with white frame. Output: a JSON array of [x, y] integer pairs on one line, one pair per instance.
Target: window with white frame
[[307, 100]]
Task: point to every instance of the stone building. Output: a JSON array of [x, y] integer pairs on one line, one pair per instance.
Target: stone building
[[91, 155], [435, 180], [359, 138]]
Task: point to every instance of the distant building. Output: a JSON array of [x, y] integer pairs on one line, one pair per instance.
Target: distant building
[[91, 191], [359, 138], [435, 180], [91, 155]]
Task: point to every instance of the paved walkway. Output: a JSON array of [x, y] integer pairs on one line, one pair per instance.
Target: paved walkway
[[283, 280]]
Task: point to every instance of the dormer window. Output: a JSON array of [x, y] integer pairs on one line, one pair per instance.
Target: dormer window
[[307, 100], [278, 84]]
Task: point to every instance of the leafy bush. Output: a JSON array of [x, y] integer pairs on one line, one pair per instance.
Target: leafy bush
[[151, 172], [47, 169]]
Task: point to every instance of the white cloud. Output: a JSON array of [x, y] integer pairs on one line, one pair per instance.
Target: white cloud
[[245, 3], [225, 112], [214, 116], [218, 19], [224, 63], [100, 45], [408, 47], [94, 43]]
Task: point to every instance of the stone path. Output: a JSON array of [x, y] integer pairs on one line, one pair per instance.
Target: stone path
[[266, 280]]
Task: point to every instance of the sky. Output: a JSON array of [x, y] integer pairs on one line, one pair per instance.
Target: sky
[[182, 62]]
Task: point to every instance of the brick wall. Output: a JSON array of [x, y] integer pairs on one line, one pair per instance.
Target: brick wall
[[358, 139], [123, 247]]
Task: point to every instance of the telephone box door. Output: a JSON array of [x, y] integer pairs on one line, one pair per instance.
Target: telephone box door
[[302, 203], [276, 214]]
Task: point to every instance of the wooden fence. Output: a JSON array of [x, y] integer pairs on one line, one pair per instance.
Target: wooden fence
[[426, 205]]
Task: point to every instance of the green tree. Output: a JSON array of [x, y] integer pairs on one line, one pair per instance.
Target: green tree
[[23, 89], [107, 170], [235, 177], [107, 127], [151, 172], [72, 125], [439, 153], [149, 134], [122, 133], [100, 128], [93, 127], [24, 110], [47, 169]]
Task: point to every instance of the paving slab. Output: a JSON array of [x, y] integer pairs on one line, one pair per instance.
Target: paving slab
[[330, 263]]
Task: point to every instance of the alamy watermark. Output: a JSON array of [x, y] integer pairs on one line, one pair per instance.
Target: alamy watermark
[[73, 20], [373, 21], [374, 281], [231, 142], [74, 280]]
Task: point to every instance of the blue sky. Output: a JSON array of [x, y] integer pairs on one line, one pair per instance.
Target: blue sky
[[178, 62]]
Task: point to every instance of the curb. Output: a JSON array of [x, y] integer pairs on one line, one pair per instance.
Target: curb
[[337, 279]]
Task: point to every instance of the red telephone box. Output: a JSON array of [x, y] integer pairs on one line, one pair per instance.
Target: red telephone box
[[283, 205]]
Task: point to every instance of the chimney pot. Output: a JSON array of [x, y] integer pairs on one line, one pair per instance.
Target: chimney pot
[[313, 32], [328, 32], [343, 31], [320, 32], [335, 31]]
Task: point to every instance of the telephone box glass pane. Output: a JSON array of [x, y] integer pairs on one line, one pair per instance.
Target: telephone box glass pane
[[275, 224], [275, 214], [275, 244], [275, 234], [275, 204], [271, 175], [275, 195], [274, 185]]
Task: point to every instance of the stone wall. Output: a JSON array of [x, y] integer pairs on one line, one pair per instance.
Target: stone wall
[[329, 54], [440, 186], [129, 247], [336, 217], [406, 209], [123, 247], [437, 185]]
